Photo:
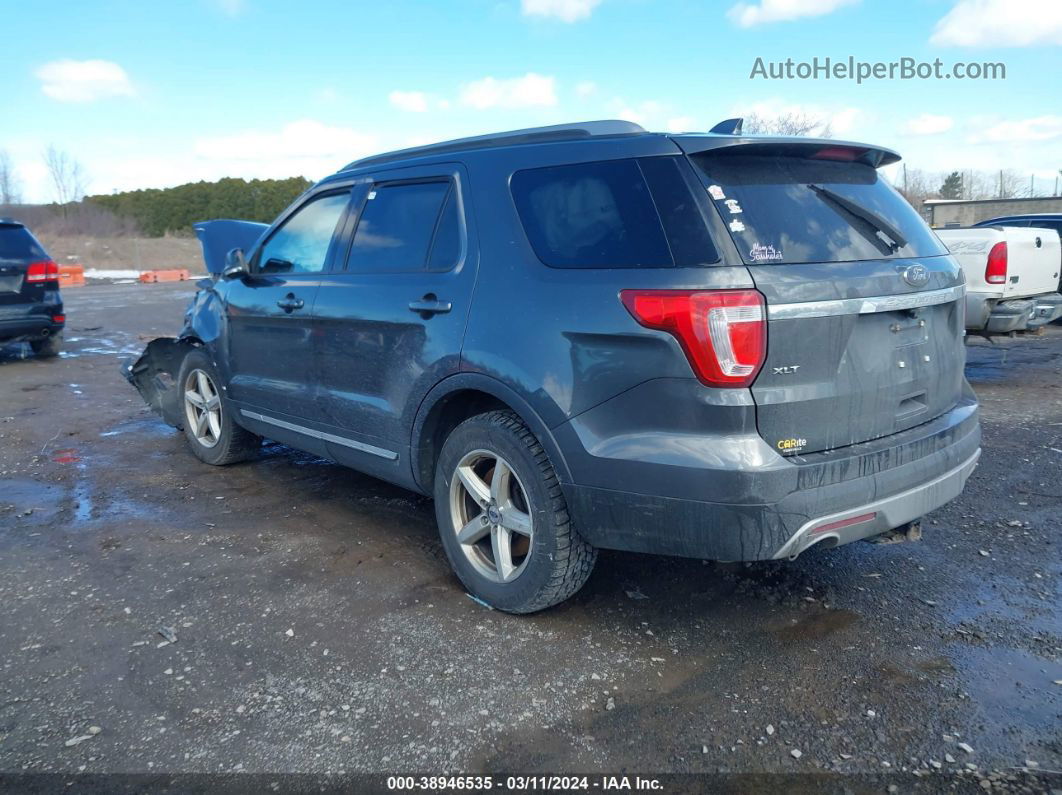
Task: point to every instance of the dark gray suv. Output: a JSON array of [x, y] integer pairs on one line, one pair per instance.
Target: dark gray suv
[[590, 336]]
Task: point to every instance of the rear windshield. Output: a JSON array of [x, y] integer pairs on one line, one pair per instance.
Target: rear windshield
[[17, 243], [644, 213], [782, 209]]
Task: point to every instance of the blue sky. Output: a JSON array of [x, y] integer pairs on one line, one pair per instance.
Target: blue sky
[[156, 94]]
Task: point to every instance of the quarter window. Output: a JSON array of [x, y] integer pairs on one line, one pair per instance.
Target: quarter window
[[301, 244], [614, 214]]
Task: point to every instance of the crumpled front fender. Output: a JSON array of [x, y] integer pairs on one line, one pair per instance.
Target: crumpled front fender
[[154, 374]]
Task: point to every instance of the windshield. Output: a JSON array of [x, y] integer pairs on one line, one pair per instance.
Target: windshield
[[783, 209]]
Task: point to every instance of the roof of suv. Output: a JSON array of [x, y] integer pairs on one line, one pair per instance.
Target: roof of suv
[[999, 219], [578, 131]]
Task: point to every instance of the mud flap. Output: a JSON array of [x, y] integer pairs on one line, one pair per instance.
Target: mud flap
[[154, 375]]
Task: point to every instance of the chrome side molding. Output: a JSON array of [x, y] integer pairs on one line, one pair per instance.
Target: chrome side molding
[[390, 455], [864, 306]]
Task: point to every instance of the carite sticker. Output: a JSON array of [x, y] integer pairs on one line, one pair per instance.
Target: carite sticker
[[792, 445], [733, 206], [760, 253], [737, 226], [716, 192]]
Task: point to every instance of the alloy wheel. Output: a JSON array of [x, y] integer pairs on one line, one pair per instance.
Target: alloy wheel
[[202, 407], [491, 516]]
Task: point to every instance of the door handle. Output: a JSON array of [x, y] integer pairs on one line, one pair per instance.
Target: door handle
[[430, 305], [290, 303]]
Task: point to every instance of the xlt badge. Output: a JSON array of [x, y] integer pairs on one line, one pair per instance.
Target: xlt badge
[[789, 370]]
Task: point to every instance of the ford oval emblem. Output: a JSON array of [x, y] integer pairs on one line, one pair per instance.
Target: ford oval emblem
[[916, 275]]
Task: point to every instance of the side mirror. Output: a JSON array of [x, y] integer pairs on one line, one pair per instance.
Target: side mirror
[[235, 264]]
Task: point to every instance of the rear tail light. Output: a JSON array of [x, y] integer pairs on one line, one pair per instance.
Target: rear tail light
[[996, 269], [58, 318], [723, 332], [46, 271]]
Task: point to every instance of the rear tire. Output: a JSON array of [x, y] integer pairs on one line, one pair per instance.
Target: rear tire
[[497, 498], [214, 438], [48, 347]]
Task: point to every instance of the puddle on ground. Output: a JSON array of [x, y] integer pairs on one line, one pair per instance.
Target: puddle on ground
[[148, 426], [43, 500], [815, 626], [1011, 688], [1002, 361]]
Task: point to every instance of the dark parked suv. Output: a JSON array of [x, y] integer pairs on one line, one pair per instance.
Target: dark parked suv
[[590, 336], [31, 309]]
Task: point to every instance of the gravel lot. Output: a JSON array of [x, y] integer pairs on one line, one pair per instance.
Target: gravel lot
[[319, 628]]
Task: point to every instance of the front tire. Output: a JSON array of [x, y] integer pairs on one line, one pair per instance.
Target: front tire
[[503, 518], [214, 438], [49, 347]]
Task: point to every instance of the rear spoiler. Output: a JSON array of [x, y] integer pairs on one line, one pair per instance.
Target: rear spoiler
[[793, 146], [218, 238]]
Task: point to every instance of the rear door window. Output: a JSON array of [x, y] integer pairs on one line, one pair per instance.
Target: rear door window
[[614, 214], [397, 226], [16, 243], [787, 209]]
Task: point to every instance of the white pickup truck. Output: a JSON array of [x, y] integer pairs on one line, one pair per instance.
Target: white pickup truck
[[1011, 276]]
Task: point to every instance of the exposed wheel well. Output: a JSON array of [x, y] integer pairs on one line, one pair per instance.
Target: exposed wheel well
[[443, 417]]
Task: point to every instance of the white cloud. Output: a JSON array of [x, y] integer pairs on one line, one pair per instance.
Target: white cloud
[[928, 124], [841, 121], [564, 10], [1039, 128], [413, 101], [84, 81], [646, 113], [1000, 23], [746, 15], [585, 88], [517, 92], [680, 124], [305, 147]]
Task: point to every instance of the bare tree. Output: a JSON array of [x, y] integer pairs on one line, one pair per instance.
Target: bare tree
[[917, 185], [10, 190], [1011, 185], [977, 185], [67, 175], [789, 123]]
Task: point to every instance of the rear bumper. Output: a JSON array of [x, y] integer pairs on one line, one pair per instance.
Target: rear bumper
[[882, 515], [1046, 308], [898, 478], [1013, 315], [31, 320], [979, 308], [27, 328]]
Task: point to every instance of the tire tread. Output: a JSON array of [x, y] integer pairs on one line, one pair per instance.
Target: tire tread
[[574, 558]]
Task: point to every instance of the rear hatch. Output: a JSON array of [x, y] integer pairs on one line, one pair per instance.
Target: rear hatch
[[864, 304], [18, 250], [1032, 261]]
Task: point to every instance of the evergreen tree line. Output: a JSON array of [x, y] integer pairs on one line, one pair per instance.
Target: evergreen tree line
[[158, 211]]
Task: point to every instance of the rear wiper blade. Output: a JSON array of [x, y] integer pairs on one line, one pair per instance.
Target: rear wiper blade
[[897, 241]]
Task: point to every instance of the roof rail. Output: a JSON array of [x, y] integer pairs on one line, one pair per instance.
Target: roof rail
[[556, 132]]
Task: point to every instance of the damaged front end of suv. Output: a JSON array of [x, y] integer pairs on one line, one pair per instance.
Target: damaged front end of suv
[[154, 372]]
